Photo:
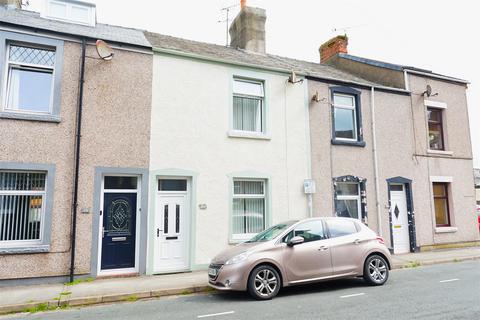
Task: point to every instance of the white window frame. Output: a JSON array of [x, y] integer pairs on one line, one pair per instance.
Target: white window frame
[[26, 66], [260, 120], [247, 236], [352, 197], [24, 243], [346, 107]]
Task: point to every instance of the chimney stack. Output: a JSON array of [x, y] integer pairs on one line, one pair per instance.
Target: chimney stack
[[11, 4], [247, 30], [333, 47]]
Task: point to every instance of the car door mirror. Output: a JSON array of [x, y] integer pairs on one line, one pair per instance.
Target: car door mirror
[[295, 240]]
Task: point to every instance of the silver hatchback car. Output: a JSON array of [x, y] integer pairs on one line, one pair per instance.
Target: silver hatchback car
[[298, 252]]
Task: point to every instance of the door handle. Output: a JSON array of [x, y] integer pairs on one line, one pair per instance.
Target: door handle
[[322, 248], [356, 241], [158, 232]]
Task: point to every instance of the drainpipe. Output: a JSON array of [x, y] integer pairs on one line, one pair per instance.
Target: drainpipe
[[375, 162], [77, 159]]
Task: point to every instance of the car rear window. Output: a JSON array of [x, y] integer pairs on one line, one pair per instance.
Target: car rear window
[[340, 227]]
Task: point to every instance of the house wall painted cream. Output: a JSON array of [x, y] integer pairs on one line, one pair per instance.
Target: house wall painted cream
[[191, 105]]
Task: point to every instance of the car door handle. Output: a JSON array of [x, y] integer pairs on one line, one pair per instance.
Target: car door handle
[[356, 241], [322, 248]]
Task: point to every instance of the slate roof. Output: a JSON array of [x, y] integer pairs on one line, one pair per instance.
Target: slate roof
[[105, 32], [228, 54], [396, 67]]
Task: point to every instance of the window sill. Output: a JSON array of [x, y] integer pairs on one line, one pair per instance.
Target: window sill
[[361, 144], [30, 117], [446, 229], [25, 250], [248, 135], [440, 152]]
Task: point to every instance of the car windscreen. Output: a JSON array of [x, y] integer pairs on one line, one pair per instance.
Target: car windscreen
[[272, 232]]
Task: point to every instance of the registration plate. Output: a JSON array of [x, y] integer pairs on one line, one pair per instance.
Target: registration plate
[[212, 272]]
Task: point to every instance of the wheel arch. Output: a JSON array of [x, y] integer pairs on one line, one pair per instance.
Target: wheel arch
[[378, 253], [271, 264]]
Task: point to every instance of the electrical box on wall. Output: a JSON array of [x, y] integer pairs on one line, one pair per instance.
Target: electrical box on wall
[[309, 186]]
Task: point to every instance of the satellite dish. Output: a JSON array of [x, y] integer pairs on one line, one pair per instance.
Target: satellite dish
[[429, 90], [104, 51]]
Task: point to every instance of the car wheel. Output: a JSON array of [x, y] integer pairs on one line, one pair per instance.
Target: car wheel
[[264, 283], [375, 270]]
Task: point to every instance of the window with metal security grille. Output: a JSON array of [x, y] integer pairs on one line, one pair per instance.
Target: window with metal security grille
[[442, 210], [248, 106], [435, 129], [248, 208], [29, 85], [22, 199]]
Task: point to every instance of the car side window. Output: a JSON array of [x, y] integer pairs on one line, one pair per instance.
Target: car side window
[[309, 230], [340, 228]]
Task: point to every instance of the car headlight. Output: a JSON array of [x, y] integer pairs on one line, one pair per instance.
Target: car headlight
[[238, 258]]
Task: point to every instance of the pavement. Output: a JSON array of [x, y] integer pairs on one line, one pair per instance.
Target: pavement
[[437, 292], [53, 296]]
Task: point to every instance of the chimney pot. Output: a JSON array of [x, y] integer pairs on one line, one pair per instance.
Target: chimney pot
[[247, 30], [333, 47], [243, 3]]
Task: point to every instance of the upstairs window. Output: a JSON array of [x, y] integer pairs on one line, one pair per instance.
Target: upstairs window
[[435, 129], [29, 86], [248, 106], [345, 117], [22, 199]]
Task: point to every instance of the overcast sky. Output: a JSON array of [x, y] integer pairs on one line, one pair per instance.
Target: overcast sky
[[437, 35]]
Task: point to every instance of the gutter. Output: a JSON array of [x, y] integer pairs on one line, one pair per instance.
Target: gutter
[[436, 76], [78, 136]]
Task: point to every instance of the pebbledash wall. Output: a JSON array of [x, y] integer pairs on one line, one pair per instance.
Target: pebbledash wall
[[199, 144], [115, 140], [401, 137]]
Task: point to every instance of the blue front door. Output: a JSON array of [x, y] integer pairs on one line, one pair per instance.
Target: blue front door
[[118, 242]]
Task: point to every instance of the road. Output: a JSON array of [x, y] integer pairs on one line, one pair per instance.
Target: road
[[448, 291]]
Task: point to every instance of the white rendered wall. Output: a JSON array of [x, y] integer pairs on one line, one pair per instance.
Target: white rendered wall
[[191, 107]]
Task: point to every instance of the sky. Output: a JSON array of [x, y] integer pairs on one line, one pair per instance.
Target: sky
[[437, 35]]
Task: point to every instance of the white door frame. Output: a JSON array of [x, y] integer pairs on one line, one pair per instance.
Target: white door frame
[[404, 192], [109, 272], [188, 214]]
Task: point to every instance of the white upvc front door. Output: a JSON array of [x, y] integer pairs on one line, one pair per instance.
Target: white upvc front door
[[172, 228], [398, 211]]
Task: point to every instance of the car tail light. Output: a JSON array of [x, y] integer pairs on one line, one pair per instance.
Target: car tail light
[[380, 240]]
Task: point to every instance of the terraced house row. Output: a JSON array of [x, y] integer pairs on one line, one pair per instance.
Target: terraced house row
[[150, 160]]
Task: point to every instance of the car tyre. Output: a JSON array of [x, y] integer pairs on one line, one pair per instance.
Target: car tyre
[[264, 282], [375, 270]]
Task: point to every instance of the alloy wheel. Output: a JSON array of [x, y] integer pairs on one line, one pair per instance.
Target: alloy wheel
[[265, 282], [377, 270]]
